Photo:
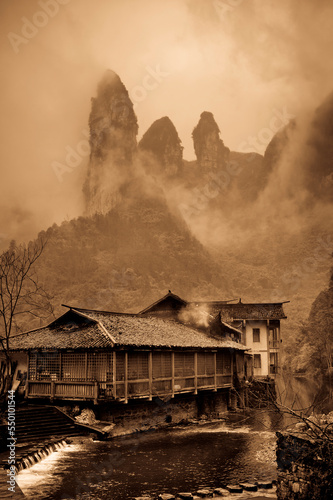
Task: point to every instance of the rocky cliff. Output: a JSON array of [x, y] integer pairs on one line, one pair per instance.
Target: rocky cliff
[[162, 142], [319, 164], [209, 148], [249, 216], [113, 130]]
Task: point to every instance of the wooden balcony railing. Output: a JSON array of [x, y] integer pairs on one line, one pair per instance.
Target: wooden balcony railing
[[61, 389], [124, 390]]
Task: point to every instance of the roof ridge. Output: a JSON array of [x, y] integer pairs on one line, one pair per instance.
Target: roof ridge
[[39, 328], [80, 309], [106, 333], [100, 324], [29, 331], [169, 294], [230, 326], [258, 303]]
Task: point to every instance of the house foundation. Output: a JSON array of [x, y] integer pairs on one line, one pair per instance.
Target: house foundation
[[143, 415]]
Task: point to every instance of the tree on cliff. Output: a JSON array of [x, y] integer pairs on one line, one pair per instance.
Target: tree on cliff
[[316, 349], [21, 297]]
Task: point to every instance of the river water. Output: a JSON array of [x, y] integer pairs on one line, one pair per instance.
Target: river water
[[242, 448], [238, 449]]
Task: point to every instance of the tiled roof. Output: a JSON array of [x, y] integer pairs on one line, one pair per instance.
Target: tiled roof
[[96, 329], [136, 330], [273, 311], [85, 337]]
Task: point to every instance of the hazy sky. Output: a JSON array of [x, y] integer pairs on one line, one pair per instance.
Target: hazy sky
[[240, 59]]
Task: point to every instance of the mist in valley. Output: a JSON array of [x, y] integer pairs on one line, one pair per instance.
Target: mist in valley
[[132, 210]]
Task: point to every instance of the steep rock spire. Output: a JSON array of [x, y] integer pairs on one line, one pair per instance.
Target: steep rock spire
[[209, 148], [113, 130], [163, 142]]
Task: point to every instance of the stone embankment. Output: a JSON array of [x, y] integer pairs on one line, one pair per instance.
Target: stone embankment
[[254, 491], [305, 460], [27, 458]]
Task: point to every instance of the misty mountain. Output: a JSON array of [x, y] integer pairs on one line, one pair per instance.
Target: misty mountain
[[224, 226], [127, 258], [113, 130], [319, 165]]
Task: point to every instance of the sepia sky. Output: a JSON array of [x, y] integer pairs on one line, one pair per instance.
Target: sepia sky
[[243, 60]]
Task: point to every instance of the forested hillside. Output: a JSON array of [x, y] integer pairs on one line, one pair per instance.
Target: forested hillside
[[314, 341], [225, 226]]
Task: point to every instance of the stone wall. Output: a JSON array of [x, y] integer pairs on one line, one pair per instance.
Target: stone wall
[[141, 415], [304, 468]]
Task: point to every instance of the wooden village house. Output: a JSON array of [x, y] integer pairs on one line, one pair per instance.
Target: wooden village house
[[171, 347], [256, 325], [100, 356]]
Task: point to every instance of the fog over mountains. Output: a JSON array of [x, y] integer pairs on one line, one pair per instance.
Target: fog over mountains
[[224, 226]]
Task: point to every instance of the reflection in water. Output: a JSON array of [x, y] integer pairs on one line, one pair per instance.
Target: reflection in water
[[243, 449], [297, 393], [303, 395]]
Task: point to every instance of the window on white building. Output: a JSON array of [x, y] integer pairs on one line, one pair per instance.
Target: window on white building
[[257, 361], [256, 334]]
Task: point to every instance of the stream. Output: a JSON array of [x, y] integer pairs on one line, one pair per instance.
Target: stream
[[240, 448]]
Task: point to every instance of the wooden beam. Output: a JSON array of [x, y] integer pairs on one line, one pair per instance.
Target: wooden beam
[[126, 377], [52, 390], [195, 373], [150, 373], [215, 369], [114, 374], [26, 391], [60, 365], [173, 374], [96, 392]]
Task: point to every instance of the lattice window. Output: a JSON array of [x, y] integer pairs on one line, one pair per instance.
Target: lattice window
[[161, 364], [120, 366], [184, 364], [44, 366], [73, 366], [137, 365], [32, 366], [99, 366], [206, 363]]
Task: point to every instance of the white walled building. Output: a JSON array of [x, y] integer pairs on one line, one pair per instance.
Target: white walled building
[[260, 326], [257, 325]]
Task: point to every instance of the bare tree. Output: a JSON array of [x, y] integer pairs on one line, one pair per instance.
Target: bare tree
[[21, 298]]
